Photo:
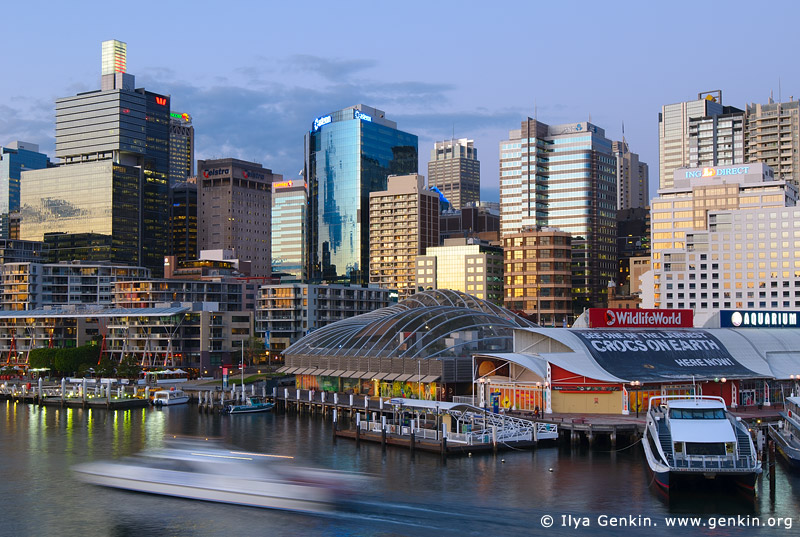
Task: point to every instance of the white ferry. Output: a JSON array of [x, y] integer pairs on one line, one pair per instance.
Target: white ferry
[[787, 433], [170, 397], [202, 471], [687, 438]]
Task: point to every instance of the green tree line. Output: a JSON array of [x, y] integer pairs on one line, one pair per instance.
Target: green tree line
[[79, 360]]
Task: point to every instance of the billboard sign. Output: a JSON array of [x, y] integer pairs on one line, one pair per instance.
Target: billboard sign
[[758, 319], [638, 318]]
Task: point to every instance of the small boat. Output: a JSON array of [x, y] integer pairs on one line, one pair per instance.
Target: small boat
[[170, 397], [694, 438], [202, 471], [786, 434], [254, 403]]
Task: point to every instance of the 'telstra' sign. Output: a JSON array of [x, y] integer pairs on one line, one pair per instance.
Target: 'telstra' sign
[[714, 172], [247, 174], [627, 318], [215, 172], [758, 319]]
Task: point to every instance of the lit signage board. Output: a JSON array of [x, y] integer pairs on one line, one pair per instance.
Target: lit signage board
[[161, 100], [360, 115], [320, 121], [284, 184], [714, 172], [758, 319], [177, 115], [640, 318]]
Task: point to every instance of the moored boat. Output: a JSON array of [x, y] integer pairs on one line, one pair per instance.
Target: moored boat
[[170, 397], [202, 471], [786, 434], [253, 404], [694, 438]]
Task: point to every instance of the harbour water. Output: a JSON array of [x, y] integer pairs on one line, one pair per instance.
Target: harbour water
[[510, 494]]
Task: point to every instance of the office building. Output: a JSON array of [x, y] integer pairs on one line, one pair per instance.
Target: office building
[[773, 137], [124, 152], [350, 153], [454, 169], [289, 220], [471, 266], [234, 210], [477, 220], [19, 251], [564, 176], [633, 176], [724, 237], [14, 159], [183, 219], [633, 241], [287, 312], [181, 147], [403, 221], [717, 140], [538, 275]]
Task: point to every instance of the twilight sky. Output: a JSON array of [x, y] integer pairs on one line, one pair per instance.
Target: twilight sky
[[254, 75]]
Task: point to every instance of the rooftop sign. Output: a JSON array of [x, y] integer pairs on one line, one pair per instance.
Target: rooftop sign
[[758, 319], [320, 121], [638, 318], [713, 172]]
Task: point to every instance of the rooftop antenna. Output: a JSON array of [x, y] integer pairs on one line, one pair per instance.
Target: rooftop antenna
[[779, 90]]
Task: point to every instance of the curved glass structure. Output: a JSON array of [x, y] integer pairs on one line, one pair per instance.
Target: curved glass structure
[[439, 323]]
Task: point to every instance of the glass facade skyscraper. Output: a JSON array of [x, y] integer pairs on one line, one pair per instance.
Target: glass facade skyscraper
[[15, 158], [289, 217], [181, 147], [349, 153]]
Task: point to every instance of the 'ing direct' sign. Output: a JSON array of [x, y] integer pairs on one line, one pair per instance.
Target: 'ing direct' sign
[[627, 318]]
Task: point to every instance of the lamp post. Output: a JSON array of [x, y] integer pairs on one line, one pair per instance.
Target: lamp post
[[635, 386]]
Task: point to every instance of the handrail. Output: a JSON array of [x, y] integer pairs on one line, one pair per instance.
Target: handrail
[[684, 398]]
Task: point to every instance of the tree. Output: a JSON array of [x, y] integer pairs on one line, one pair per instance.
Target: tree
[[129, 368], [254, 352]]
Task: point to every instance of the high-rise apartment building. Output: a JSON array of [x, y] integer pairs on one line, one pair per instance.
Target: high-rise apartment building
[[181, 147], [564, 176], [455, 170], [633, 175], [403, 221], [773, 137], [289, 217], [15, 158], [234, 210], [717, 140], [349, 153], [723, 237], [471, 266], [123, 150], [673, 132]]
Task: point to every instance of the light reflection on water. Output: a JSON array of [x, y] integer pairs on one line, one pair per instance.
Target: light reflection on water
[[480, 495]]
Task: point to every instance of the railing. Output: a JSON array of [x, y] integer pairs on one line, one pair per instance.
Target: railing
[[718, 462]]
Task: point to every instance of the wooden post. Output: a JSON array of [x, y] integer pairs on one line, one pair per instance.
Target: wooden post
[[358, 429]]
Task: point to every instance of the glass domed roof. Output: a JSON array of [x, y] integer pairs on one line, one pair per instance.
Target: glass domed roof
[[430, 324]]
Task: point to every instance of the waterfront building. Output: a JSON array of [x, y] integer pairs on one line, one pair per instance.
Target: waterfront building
[[633, 176], [478, 220], [773, 137], [455, 170], [234, 210], [113, 180], [217, 293], [350, 153], [538, 275], [673, 132], [421, 347], [181, 147], [403, 222], [31, 286], [288, 311], [564, 176], [15, 158], [470, 266], [289, 224], [724, 237], [183, 219], [18, 251]]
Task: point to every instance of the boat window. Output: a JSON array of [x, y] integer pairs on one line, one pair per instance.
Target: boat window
[[697, 414], [705, 448]]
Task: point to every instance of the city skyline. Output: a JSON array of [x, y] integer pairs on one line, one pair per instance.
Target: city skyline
[[255, 102]]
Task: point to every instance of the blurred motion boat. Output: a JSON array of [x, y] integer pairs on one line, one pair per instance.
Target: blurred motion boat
[[204, 471]]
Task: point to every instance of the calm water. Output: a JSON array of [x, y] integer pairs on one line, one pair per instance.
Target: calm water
[[481, 495]]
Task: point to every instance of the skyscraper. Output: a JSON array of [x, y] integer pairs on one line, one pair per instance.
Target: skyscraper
[[289, 217], [673, 132], [633, 191], [773, 137], [129, 131], [234, 210], [403, 221], [183, 220], [181, 147], [564, 176], [455, 170], [15, 158], [349, 153], [717, 140]]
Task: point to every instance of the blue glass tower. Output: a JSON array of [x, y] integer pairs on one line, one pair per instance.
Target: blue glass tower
[[15, 158], [349, 154]]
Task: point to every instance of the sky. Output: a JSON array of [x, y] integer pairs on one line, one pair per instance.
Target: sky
[[254, 75]]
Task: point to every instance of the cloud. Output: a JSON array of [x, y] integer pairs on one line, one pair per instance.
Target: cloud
[[329, 68], [33, 124]]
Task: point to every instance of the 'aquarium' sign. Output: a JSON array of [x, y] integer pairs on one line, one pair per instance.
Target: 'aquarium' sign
[[758, 319]]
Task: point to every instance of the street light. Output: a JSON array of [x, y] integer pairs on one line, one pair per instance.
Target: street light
[[635, 386]]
